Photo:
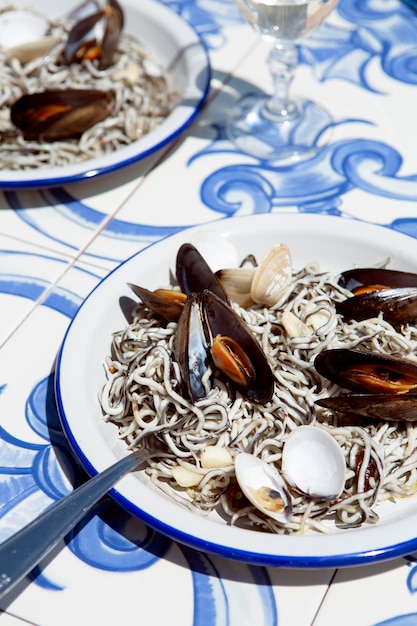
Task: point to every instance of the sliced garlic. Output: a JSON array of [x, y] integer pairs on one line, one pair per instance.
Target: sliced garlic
[[185, 477], [293, 326], [319, 318], [215, 456]]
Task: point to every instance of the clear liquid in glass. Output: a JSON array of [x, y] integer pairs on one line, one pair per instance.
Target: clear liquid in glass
[[280, 20]]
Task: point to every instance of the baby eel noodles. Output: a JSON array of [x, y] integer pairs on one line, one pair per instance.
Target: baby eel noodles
[[143, 98], [142, 397]]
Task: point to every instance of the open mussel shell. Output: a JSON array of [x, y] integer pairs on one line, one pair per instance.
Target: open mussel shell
[[167, 303], [60, 114], [398, 305], [263, 486], [209, 330], [191, 349], [96, 36], [194, 274], [223, 321], [373, 278], [365, 371], [313, 463], [398, 408]]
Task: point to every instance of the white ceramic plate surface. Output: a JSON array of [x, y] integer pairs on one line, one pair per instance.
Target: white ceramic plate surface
[[337, 244], [167, 39]]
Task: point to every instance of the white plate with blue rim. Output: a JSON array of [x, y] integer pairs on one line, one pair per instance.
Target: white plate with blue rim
[[168, 40], [336, 244]]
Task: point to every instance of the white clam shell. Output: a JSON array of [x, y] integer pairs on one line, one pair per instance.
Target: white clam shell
[[273, 276], [19, 27], [263, 486], [313, 463], [217, 250]]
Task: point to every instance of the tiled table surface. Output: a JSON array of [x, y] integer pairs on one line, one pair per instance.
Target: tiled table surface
[[56, 244]]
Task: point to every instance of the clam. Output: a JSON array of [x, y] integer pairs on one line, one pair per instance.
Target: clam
[[60, 114], [272, 277], [237, 282], [367, 372], [264, 487], [217, 250], [313, 463], [23, 34], [264, 284]]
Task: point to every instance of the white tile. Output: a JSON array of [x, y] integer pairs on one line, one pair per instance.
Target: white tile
[[370, 595], [11, 620]]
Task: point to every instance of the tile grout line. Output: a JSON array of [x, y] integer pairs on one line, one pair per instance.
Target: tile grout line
[[324, 598]]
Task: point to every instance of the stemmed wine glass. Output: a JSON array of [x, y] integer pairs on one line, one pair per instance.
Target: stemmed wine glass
[[279, 127]]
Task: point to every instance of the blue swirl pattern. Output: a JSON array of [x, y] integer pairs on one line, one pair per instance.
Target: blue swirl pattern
[[108, 539]]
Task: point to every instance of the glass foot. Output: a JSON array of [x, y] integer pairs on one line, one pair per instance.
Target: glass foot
[[266, 136]]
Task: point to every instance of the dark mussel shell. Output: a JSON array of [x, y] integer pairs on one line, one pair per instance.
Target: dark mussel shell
[[361, 280], [368, 372], [191, 348], [166, 303], [96, 36], [401, 408], [60, 114], [223, 321], [206, 320], [194, 275], [398, 306]]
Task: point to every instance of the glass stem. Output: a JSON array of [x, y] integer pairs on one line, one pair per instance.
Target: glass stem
[[282, 62]]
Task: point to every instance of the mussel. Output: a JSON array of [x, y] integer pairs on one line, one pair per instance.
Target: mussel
[[399, 408], [209, 330], [167, 303], [398, 306], [96, 36], [390, 292], [210, 333], [366, 279], [367, 372], [60, 114], [385, 386], [194, 274]]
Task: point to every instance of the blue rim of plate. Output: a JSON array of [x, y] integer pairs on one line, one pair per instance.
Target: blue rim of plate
[[195, 94], [310, 553]]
